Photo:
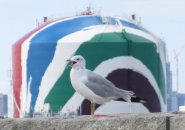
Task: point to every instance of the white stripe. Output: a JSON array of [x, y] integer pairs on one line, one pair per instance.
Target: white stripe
[[23, 97]]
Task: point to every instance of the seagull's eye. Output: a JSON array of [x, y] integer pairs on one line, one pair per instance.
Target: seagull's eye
[[78, 59]]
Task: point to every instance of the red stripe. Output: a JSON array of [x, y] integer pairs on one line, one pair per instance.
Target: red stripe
[[17, 70]]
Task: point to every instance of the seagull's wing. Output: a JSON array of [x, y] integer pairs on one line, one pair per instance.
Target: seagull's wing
[[104, 88]]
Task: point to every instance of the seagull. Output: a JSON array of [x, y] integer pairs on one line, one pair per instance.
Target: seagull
[[94, 87]]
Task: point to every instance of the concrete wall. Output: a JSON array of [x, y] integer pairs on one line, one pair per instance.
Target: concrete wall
[[155, 121]]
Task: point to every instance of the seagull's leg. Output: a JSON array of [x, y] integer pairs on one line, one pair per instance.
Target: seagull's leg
[[93, 106]]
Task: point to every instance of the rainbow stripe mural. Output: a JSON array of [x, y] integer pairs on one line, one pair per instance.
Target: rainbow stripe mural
[[116, 48]]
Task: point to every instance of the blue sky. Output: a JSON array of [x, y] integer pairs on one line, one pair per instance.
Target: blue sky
[[164, 18]]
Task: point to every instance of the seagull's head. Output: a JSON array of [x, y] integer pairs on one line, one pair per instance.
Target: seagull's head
[[77, 62]]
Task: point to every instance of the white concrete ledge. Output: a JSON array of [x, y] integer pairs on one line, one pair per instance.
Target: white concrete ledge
[[153, 121]]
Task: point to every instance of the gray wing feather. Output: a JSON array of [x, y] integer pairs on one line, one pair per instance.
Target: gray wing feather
[[104, 88]]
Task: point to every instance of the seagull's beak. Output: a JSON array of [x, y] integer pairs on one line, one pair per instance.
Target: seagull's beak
[[71, 63]]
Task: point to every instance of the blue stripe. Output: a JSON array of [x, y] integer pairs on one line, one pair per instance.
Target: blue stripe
[[40, 56]]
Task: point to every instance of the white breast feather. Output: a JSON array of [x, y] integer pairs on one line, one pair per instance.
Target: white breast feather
[[77, 76]]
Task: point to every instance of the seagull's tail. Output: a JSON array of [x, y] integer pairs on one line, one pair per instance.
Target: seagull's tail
[[126, 95], [129, 96], [138, 99]]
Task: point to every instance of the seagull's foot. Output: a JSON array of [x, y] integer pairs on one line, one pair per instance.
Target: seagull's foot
[[93, 107]]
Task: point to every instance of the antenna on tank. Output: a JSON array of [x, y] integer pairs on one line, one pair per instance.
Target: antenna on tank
[[88, 11], [135, 18]]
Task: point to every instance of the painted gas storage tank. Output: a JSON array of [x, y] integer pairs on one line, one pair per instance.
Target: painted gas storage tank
[[116, 48]]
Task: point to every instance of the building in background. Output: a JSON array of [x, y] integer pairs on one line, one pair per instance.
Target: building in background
[[174, 98], [174, 102], [181, 99], [3, 105], [178, 100]]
